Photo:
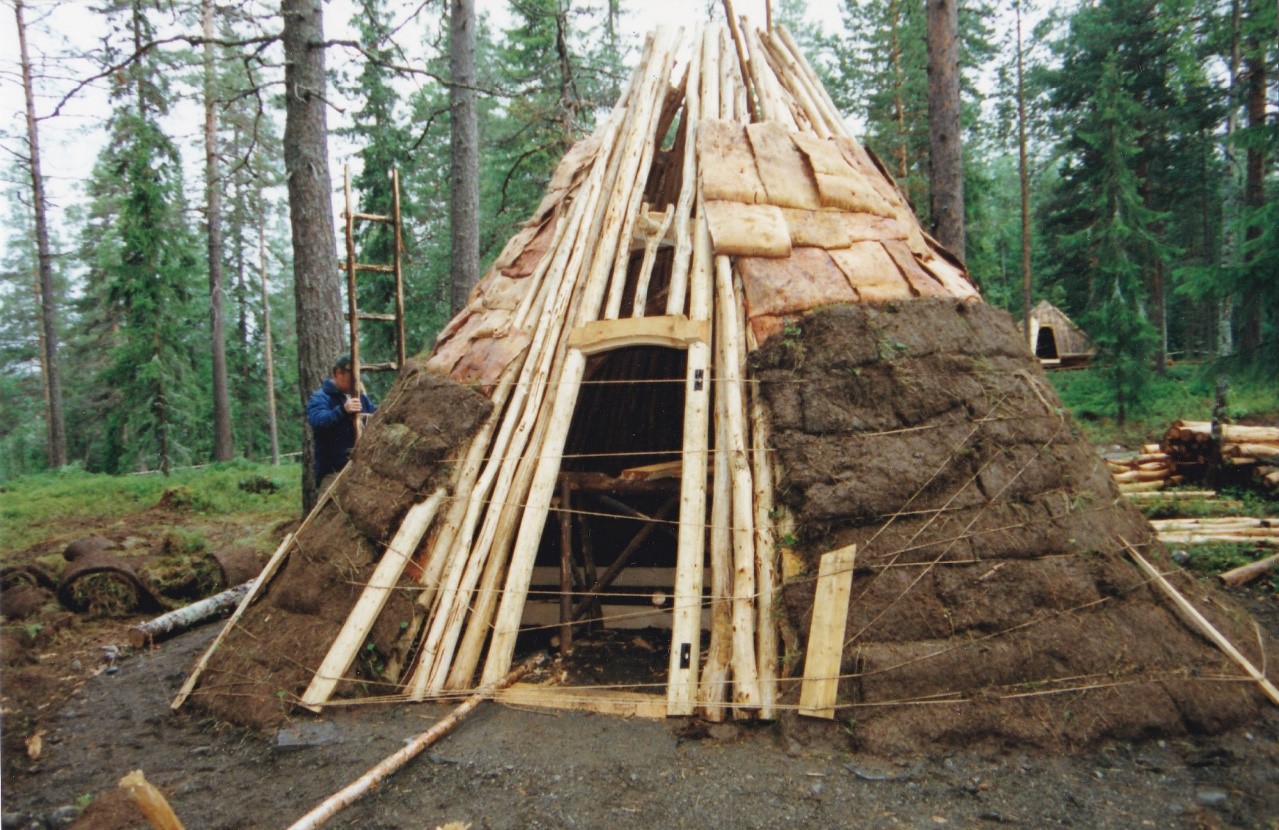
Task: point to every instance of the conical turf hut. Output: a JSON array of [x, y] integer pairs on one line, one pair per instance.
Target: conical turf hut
[[723, 361]]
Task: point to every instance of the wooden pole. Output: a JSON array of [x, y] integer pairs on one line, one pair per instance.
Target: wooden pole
[[352, 312], [397, 263], [259, 584], [1198, 620], [677, 294], [356, 790], [566, 569]]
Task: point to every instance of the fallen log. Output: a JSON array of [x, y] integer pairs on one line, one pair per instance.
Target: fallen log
[[1249, 572], [352, 792], [183, 619]]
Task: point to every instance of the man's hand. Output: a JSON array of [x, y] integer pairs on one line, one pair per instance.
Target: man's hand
[[352, 405]]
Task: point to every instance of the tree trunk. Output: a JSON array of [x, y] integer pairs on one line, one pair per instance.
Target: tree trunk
[[55, 425], [1254, 189], [268, 357], [899, 105], [1023, 175], [464, 177], [316, 286], [223, 445], [1230, 249], [946, 165]]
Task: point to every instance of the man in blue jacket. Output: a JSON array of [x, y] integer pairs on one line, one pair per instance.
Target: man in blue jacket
[[331, 411]]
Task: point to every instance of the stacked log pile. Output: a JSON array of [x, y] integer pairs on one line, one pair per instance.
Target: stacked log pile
[[1245, 453], [1151, 469], [1247, 530]]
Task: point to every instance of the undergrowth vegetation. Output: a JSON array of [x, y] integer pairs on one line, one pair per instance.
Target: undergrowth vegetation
[[31, 507], [1185, 391]]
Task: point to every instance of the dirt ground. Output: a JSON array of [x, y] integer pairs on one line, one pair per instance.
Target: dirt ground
[[507, 767]]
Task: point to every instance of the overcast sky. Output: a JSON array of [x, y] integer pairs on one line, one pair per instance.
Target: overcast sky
[[71, 141]]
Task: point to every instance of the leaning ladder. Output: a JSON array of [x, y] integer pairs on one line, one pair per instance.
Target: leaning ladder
[[354, 315]]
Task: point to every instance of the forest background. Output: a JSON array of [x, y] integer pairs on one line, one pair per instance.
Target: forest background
[[1118, 155]]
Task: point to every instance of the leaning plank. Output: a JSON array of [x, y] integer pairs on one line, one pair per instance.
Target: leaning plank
[[187, 617], [359, 787], [1199, 621], [362, 617], [826, 633], [272, 565]]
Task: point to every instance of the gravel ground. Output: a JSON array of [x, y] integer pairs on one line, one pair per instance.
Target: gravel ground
[[506, 767]]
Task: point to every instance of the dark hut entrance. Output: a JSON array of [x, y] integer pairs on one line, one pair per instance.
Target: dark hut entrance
[[1046, 344], [605, 572]]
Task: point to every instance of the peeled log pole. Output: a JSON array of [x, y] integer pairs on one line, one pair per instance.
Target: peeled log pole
[[1249, 572], [1199, 621], [356, 789], [183, 619]]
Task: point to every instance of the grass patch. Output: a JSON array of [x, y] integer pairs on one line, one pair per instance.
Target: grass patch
[[1186, 392], [32, 507], [1215, 558]]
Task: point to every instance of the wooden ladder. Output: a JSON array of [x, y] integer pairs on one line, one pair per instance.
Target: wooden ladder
[[354, 315]]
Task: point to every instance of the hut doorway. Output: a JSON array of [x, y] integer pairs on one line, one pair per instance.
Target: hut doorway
[[1046, 344], [604, 578]]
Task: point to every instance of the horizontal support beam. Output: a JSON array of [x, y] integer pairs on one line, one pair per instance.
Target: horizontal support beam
[[671, 331], [373, 315], [390, 366]]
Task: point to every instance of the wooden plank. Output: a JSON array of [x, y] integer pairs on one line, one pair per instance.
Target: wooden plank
[[356, 629], [727, 165], [748, 230], [675, 332], [871, 272], [826, 633], [1199, 621], [785, 171], [604, 701], [808, 278], [259, 584]]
